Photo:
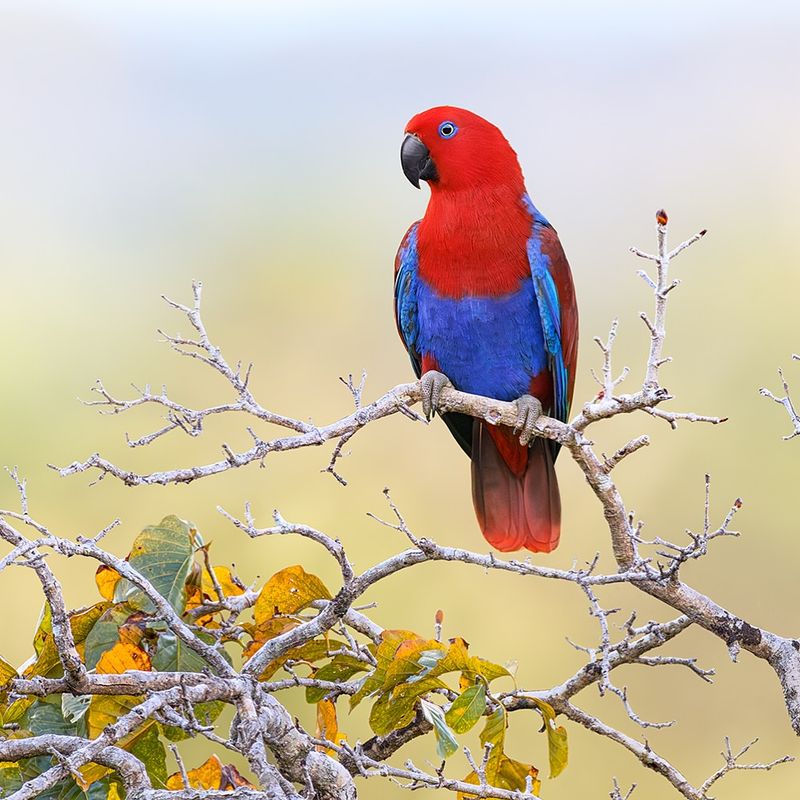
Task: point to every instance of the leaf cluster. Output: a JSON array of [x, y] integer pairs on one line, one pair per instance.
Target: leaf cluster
[[402, 675]]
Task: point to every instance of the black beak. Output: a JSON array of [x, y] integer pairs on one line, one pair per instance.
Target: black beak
[[416, 161]]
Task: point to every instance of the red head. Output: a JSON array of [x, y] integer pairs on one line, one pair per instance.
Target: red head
[[454, 149]]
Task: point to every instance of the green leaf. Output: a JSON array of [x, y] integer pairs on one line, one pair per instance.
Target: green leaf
[[393, 710], [10, 779], [488, 670], [556, 739], [341, 668], [163, 554], [45, 716], [173, 655], [149, 749], [467, 708], [446, 743]]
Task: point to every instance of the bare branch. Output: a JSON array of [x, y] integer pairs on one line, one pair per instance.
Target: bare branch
[[786, 402], [732, 763]]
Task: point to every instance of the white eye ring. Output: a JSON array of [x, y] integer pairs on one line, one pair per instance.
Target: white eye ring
[[447, 129]]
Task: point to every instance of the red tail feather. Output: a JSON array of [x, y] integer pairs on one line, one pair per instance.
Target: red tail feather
[[516, 508]]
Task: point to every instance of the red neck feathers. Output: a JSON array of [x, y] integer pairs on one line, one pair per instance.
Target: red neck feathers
[[474, 242]]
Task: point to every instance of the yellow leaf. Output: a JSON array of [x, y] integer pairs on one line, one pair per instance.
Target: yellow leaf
[[44, 629], [384, 653], [106, 709], [287, 592], [195, 598], [457, 657], [15, 711], [556, 739], [327, 724], [106, 579], [226, 583], [310, 652], [90, 773], [123, 656], [269, 630], [113, 792], [207, 776], [513, 775], [203, 591], [7, 672]]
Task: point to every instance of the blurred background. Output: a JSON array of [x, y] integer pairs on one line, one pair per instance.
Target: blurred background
[[255, 146]]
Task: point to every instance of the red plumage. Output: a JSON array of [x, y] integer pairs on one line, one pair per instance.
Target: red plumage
[[473, 242]]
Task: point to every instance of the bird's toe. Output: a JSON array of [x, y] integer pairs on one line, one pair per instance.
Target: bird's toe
[[529, 409]]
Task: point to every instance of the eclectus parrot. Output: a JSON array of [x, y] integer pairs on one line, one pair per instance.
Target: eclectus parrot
[[484, 300]]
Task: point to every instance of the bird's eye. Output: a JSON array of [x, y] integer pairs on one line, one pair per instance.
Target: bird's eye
[[447, 130]]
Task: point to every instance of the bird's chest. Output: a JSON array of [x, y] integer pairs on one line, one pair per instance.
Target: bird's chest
[[486, 345]]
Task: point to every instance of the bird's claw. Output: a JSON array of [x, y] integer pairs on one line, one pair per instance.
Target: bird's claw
[[431, 385], [529, 409]]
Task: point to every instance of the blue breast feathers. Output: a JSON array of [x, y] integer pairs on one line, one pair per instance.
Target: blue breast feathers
[[490, 346]]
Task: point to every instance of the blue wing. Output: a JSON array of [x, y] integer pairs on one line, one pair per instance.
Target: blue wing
[[549, 312], [405, 296], [405, 312]]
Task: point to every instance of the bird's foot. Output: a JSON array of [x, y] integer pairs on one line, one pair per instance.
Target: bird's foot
[[529, 409], [431, 385]]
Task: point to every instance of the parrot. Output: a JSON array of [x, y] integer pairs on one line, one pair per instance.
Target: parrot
[[484, 301]]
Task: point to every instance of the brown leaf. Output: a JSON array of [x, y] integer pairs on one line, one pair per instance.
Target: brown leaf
[[232, 779]]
